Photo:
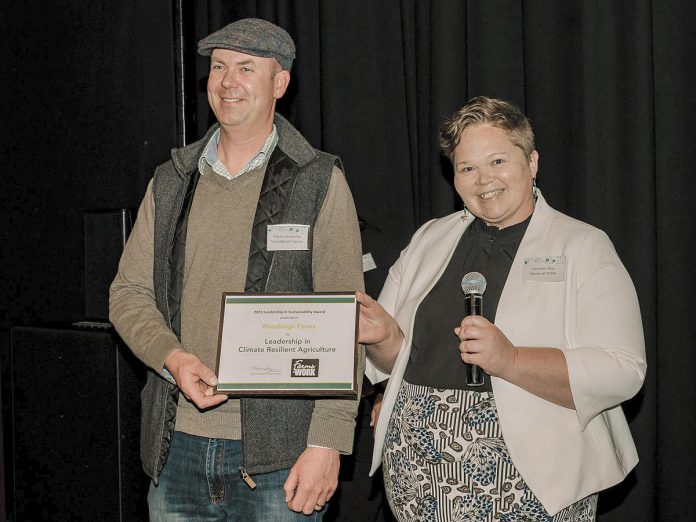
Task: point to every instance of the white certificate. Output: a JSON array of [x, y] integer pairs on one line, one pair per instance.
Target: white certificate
[[288, 344]]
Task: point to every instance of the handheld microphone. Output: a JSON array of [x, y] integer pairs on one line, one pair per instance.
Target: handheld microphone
[[473, 286]]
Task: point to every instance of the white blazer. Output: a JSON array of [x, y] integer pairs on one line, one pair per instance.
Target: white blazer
[[592, 314]]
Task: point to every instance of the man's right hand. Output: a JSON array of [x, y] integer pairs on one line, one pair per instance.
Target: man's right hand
[[194, 379]]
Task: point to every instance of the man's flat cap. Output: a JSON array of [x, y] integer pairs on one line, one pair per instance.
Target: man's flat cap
[[252, 36]]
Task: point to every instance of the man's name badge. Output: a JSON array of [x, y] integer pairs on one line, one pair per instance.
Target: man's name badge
[[287, 237], [544, 269]]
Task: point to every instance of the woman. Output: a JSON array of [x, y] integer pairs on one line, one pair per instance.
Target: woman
[[560, 342]]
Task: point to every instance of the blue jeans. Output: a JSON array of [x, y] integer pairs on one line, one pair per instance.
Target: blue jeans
[[200, 482]]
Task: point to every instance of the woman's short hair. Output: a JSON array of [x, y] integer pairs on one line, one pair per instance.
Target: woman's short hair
[[487, 111]]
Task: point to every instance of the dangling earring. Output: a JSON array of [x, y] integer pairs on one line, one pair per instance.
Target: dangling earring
[[535, 190], [467, 214]]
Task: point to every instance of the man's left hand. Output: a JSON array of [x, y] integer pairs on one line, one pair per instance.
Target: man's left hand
[[312, 480]]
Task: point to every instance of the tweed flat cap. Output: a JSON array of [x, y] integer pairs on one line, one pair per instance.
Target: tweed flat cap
[[252, 36]]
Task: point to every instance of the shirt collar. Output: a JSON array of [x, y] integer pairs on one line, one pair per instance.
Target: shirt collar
[[210, 155], [491, 232]]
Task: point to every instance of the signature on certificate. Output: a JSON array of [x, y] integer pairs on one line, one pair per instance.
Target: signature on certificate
[[264, 370]]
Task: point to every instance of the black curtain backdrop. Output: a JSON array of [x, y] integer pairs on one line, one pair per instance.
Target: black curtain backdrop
[[89, 108]]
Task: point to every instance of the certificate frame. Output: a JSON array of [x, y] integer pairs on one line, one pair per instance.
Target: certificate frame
[[255, 359]]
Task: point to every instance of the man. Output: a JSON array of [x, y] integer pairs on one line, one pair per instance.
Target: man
[[201, 230]]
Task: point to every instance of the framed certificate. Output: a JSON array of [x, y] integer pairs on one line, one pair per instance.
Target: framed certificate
[[288, 344]]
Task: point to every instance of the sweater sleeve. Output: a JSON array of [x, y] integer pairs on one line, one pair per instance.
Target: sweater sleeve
[[337, 267], [132, 307], [606, 364]]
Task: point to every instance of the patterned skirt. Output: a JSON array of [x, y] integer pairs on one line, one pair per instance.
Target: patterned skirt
[[445, 461]]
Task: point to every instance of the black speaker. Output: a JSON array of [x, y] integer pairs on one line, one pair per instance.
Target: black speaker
[[106, 233], [76, 418]]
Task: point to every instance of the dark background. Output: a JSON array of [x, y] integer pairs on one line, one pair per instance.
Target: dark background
[[89, 108]]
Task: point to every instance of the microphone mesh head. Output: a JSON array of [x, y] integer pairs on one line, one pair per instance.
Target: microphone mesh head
[[473, 283]]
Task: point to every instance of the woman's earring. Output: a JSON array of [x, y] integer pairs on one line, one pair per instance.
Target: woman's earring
[[535, 190]]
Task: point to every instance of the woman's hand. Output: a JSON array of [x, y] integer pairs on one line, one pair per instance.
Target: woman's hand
[[379, 332], [484, 345], [539, 370], [376, 325]]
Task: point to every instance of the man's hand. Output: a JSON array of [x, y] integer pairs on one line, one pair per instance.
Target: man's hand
[[312, 480], [194, 379]]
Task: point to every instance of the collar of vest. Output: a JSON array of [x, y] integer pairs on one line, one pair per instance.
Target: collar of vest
[[290, 141]]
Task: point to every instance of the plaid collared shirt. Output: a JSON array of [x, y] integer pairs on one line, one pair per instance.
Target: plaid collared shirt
[[210, 155]]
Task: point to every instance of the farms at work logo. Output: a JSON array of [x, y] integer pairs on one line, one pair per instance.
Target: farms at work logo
[[304, 368]]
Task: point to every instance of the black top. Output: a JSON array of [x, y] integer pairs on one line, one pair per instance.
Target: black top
[[434, 360]]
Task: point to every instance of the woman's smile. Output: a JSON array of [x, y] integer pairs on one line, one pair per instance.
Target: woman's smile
[[491, 194]]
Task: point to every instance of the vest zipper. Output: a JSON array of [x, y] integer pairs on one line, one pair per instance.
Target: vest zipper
[[247, 478]]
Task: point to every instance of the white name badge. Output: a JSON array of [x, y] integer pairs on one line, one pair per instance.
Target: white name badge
[[368, 262], [287, 237], [544, 269]]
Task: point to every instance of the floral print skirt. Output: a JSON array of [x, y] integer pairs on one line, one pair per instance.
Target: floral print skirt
[[445, 460]]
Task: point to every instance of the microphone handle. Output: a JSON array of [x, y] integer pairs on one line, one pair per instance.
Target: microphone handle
[[474, 306]]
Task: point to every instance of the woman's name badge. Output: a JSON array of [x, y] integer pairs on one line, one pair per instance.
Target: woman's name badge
[[544, 269], [287, 237]]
